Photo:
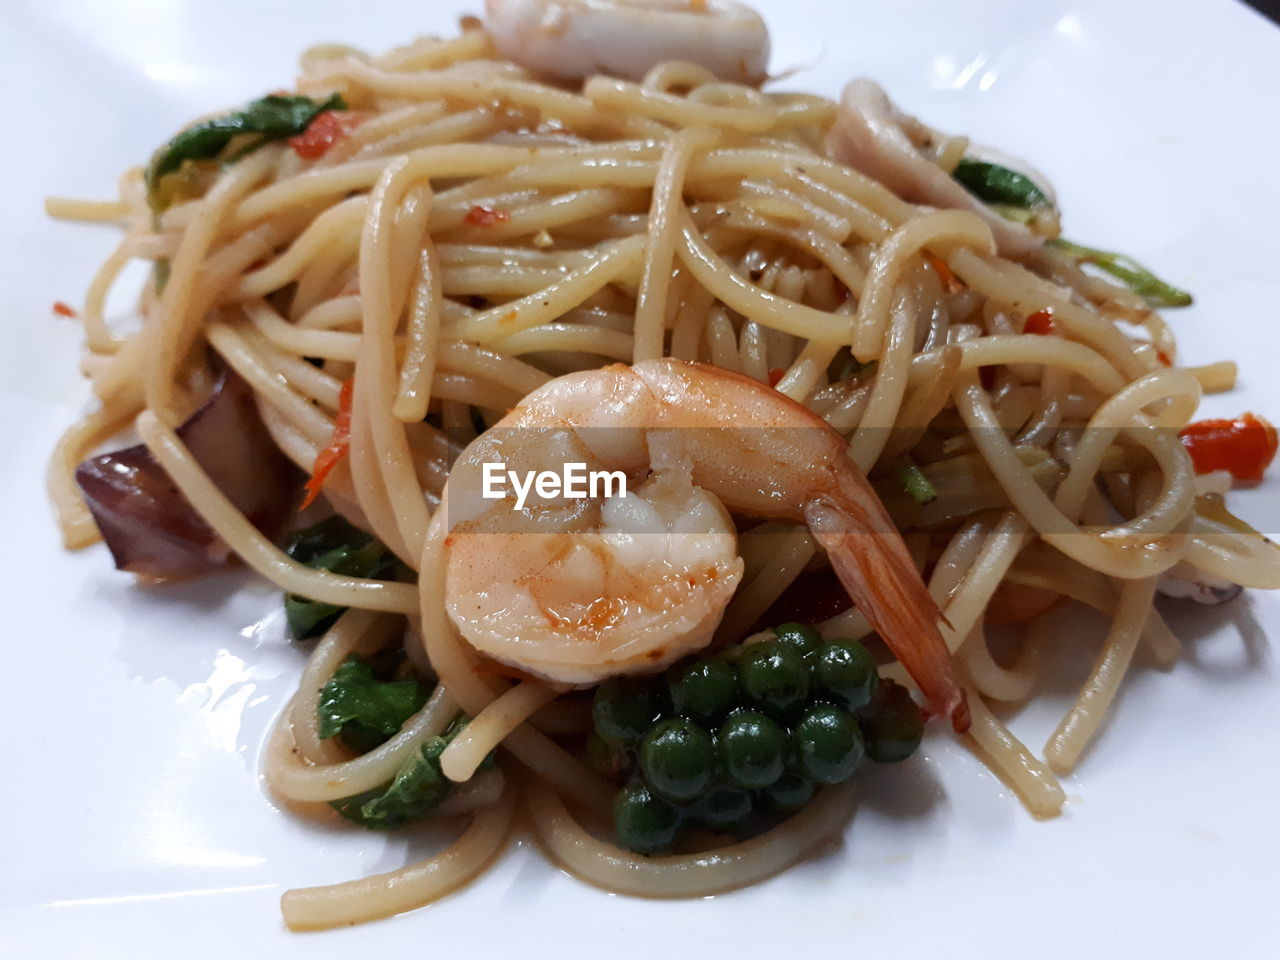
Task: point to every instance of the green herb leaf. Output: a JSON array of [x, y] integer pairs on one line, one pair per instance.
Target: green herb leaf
[[1129, 272], [994, 184], [273, 117], [363, 709], [419, 787], [310, 543], [335, 545], [917, 485]]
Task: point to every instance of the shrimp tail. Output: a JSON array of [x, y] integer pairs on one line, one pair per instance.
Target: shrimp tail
[[872, 563]]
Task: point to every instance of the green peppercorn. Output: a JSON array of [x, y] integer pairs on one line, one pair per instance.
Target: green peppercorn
[[802, 639], [625, 707], [752, 749], [678, 759], [704, 690], [827, 744], [774, 678], [723, 809], [892, 724], [643, 822], [844, 669], [790, 793]]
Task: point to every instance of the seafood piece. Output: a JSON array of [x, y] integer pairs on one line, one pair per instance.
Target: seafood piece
[[577, 590], [576, 39], [1185, 582], [876, 138]]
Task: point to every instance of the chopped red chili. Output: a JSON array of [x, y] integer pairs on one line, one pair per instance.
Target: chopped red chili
[[486, 217], [1040, 323], [950, 282], [339, 443], [324, 131], [1244, 445]]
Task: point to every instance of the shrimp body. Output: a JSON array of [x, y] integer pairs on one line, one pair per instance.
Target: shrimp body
[[576, 39], [577, 590]]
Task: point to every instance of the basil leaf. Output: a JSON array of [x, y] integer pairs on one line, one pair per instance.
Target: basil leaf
[[310, 543], [364, 710], [335, 545], [419, 787], [274, 117], [1129, 272], [994, 184]]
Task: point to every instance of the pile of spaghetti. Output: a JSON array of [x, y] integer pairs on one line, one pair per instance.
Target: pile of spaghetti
[[354, 282]]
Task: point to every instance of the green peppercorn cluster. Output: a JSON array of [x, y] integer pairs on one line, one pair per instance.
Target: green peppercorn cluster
[[730, 745]]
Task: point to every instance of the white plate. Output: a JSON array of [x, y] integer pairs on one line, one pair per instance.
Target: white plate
[[133, 819]]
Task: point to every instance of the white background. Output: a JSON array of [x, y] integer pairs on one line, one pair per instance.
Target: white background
[[131, 818]]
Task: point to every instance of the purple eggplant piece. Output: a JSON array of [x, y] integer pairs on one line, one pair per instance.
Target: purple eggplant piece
[[150, 527]]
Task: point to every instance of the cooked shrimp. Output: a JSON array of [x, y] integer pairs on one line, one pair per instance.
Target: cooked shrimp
[[577, 590], [873, 136], [576, 39]]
